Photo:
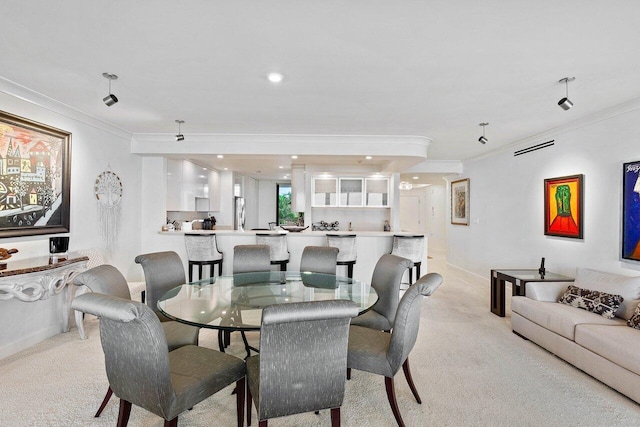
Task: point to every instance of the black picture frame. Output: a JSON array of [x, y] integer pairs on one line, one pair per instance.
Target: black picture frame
[[35, 177]]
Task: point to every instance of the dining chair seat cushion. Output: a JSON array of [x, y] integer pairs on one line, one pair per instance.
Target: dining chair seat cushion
[[198, 372], [178, 334], [368, 350], [372, 319]]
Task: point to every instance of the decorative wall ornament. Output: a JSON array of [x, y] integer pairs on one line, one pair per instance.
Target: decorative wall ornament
[[108, 191], [563, 206], [631, 211], [460, 202]]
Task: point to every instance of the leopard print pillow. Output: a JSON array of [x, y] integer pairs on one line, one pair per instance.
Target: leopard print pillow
[[634, 322], [593, 301]]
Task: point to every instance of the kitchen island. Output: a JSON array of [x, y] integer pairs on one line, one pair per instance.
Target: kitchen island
[[371, 245]]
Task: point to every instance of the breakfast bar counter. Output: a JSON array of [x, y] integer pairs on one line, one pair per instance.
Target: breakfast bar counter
[[371, 245]]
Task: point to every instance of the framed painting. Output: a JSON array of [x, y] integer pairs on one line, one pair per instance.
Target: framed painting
[[35, 177], [460, 202], [563, 206], [631, 211]]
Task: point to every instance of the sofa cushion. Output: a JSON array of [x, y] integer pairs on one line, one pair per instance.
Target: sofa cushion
[[634, 321], [594, 301], [625, 286], [559, 318], [620, 345]]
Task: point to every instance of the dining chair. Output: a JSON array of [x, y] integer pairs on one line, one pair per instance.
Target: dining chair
[[302, 362], [412, 248], [348, 255], [202, 249], [386, 279], [106, 279], [142, 371], [251, 258], [382, 353], [277, 242], [319, 259]]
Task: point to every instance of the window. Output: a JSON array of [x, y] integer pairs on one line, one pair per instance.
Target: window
[[284, 213]]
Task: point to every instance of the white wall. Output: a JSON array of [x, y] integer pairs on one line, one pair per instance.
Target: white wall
[[267, 203], [507, 222]]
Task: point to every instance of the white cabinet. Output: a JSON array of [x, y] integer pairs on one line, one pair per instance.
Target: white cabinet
[[187, 182], [324, 192], [351, 192], [376, 192]]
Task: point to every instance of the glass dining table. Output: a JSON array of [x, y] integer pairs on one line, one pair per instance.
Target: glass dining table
[[235, 302]]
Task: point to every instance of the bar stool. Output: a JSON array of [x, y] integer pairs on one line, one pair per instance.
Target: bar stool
[[410, 246], [278, 252], [202, 249], [346, 243]]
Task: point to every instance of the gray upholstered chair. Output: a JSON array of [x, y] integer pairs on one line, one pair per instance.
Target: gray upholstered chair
[[163, 271], [386, 279], [141, 370], [382, 353], [303, 359], [277, 242], [319, 259], [106, 279], [251, 258]]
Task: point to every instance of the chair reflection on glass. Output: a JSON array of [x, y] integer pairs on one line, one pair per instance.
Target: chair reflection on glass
[[302, 362], [141, 370], [319, 259], [382, 353]]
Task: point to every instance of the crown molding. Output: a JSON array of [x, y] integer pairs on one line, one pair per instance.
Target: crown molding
[[32, 97]]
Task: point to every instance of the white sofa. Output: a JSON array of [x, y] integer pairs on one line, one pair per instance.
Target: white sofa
[[607, 349]]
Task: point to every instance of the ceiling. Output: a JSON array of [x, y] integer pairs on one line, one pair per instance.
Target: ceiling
[[364, 67]]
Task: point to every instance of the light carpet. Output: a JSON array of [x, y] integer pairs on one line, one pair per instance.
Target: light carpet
[[470, 370]]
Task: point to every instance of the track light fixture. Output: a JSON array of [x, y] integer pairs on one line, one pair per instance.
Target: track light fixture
[[564, 103], [482, 139], [111, 98], [179, 136]]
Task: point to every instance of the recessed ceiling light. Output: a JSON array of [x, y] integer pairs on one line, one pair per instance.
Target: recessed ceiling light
[[416, 177], [294, 157], [220, 156], [274, 77], [226, 169], [368, 157], [281, 167]]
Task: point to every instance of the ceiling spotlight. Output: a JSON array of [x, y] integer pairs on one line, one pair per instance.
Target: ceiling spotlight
[[274, 77], [368, 157], [294, 157], [482, 139], [179, 136], [564, 103], [220, 156], [111, 98]]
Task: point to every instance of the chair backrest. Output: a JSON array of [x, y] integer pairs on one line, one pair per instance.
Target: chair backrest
[[251, 258], [407, 321], [303, 356], [277, 243], [202, 247], [386, 279], [409, 246], [346, 243], [135, 350], [319, 259], [163, 271], [104, 279]]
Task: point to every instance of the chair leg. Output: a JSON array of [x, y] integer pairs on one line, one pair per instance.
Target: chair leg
[[348, 373], [190, 272], [407, 375], [262, 423], [410, 275], [123, 413], [418, 270], [249, 401], [350, 271], [172, 423], [391, 395], [143, 296], [240, 389], [335, 417], [221, 340], [220, 268], [104, 402]]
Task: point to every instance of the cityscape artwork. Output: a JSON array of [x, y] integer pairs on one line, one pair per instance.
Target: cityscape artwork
[[34, 177]]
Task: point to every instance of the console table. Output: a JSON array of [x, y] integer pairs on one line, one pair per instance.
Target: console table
[[518, 279]]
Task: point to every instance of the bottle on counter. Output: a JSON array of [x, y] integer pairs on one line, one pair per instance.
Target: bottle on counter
[[387, 226]]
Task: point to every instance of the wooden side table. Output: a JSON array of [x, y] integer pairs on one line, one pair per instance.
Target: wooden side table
[[518, 279]]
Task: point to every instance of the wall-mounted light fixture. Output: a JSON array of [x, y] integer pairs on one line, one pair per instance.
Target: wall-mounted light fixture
[[111, 98], [179, 136], [482, 139], [564, 103]]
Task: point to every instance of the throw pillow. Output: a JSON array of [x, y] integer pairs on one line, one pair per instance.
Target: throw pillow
[[593, 301], [627, 287], [634, 322]]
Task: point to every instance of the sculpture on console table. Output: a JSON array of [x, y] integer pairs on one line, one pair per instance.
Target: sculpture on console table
[[6, 254]]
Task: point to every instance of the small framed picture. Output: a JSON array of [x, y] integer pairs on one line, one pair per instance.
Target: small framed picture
[[460, 202], [563, 206]]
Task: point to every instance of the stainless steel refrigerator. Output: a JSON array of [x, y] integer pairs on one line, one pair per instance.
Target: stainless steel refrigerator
[[238, 214]]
